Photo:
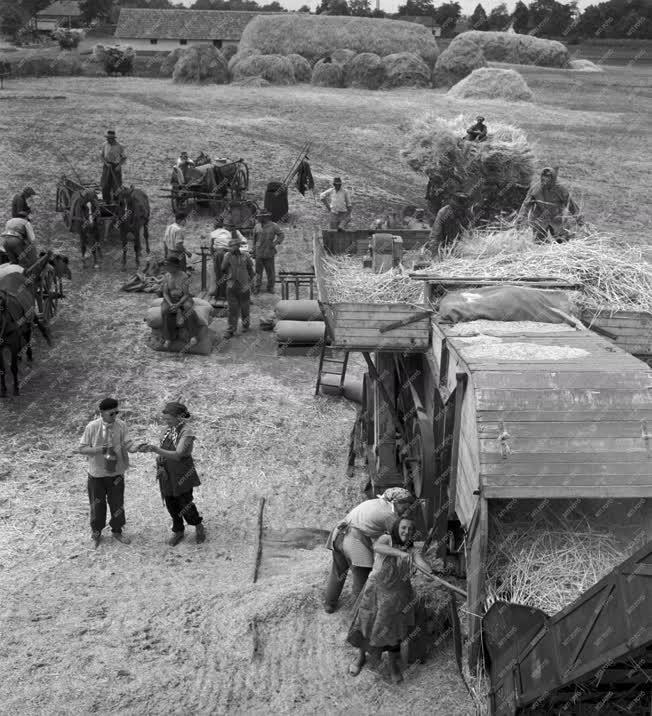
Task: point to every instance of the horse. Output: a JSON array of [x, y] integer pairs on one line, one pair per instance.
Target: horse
[[17, 314], [133, 215]]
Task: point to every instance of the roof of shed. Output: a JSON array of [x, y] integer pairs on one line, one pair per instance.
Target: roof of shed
[[182, 24], [61, 8]]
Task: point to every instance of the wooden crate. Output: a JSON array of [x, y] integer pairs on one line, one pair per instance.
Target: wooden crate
[[629, 330], [356, 326]]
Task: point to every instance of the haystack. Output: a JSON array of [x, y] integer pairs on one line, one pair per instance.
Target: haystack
[[405, 69], [584, 66], [342, 56], [276, 69], [327, 74], [365, 70], [516, 49], [301, 67], [492, 83], [315, 36], [240, 55], [455, 64], [66, 64], [201, 63], [167, 66], [496, 173]]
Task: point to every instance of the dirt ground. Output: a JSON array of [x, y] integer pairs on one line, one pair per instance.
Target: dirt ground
[[144, 628]]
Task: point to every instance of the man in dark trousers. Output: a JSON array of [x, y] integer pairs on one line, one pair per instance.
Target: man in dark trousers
[[105, 442], [19, 207], [267, 236], [477, 132], [451, 220], [113, 157], [238, 269]]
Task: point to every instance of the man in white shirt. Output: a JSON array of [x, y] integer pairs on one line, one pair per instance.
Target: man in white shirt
[[337, 201], [173, 242], [220, 239], [105, 442]]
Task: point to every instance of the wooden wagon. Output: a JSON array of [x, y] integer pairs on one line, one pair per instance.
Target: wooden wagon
[[69, 193]]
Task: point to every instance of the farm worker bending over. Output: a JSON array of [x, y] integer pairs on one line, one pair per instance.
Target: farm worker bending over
[[19, 242], [181, 172], [176, 472], [177, 307], [477, 132], [173, 241], [105, 442], [19, 206], [267, 236], [544, 206], [239, 270], [385, 614], [113, 157], [351, 541], [451, 221], [338, 203]]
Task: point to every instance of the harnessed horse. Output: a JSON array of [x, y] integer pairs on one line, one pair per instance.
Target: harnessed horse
[[133, 215]]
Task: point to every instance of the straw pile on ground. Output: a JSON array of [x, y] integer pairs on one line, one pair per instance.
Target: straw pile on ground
[[167, 66], [405, 69], [515, 48], [547, 567], [496, 173], [455, 64], [301, 68], [615, 275], [366, 71], [201, 63], [584, 66], [327, 74], [276, 69], [316, 36], [492, 83]]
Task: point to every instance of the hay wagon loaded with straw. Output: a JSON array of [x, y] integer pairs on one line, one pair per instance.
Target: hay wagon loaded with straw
[[528, 444]]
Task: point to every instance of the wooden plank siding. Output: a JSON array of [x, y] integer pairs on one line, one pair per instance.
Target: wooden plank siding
[[633, 330], [580, 427]]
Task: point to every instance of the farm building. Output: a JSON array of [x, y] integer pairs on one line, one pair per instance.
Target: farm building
[[61, 13], [146, 29]]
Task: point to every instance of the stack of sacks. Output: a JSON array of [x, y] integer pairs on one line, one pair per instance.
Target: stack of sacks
[[299, 323], [205, 338]]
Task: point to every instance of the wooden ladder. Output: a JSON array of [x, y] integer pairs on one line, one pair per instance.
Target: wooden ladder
[[332, 361]]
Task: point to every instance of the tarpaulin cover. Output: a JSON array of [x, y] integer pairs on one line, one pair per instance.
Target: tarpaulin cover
[[504, 303]]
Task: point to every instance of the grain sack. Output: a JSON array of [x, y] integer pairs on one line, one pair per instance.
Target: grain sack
[[504, 303], [300, 332], [205, 339], [302, 310], [202, 309]]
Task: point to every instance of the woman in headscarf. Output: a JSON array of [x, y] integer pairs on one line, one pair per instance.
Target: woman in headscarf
[[384, 614], [176, 472], [351, 541]]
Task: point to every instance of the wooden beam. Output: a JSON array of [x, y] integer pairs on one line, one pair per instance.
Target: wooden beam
[[259, 539], [460, 389], [373, 373]]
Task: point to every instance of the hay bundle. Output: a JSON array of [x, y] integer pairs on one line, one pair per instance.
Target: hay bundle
[[315, 36], [515, 48], [167, 66], [116, 60], [327, 74], [229, 51], [496, 173], [405, 69], [547, 567], [492, 83], [201, 63], [240, 55], [615, 275], [301, 67], [276, 69], [64, 64], [456, 63], [365, 70], [342, 56], [584, 66]]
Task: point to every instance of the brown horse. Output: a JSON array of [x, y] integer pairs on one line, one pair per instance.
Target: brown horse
[[17, 314], [133, 216]]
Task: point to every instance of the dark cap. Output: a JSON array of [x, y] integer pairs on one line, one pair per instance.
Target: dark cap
[[28, 191], [110, 134], [479, 118], [108, 404], [461, 196], [337, 180], [177, 409]]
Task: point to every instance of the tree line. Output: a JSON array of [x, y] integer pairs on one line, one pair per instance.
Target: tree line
[[543, 18]]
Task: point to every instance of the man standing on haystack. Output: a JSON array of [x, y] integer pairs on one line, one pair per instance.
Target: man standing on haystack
[[267, 236], [105, 442], [450, 223], [113, 157], [19, 207], [337, 201], [544, 206]]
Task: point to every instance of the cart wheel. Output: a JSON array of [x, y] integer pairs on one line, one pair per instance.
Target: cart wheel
[[63, 205], [48, 297]]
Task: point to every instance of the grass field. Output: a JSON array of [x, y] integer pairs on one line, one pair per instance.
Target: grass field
[[146, 629]]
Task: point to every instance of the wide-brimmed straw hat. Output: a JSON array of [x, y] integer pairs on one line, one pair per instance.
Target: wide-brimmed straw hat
[[110, 134]]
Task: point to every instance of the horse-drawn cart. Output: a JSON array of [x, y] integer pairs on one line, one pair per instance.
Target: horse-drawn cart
[[69, 199]]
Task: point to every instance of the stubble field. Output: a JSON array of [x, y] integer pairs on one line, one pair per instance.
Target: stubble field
[[147, 629]]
